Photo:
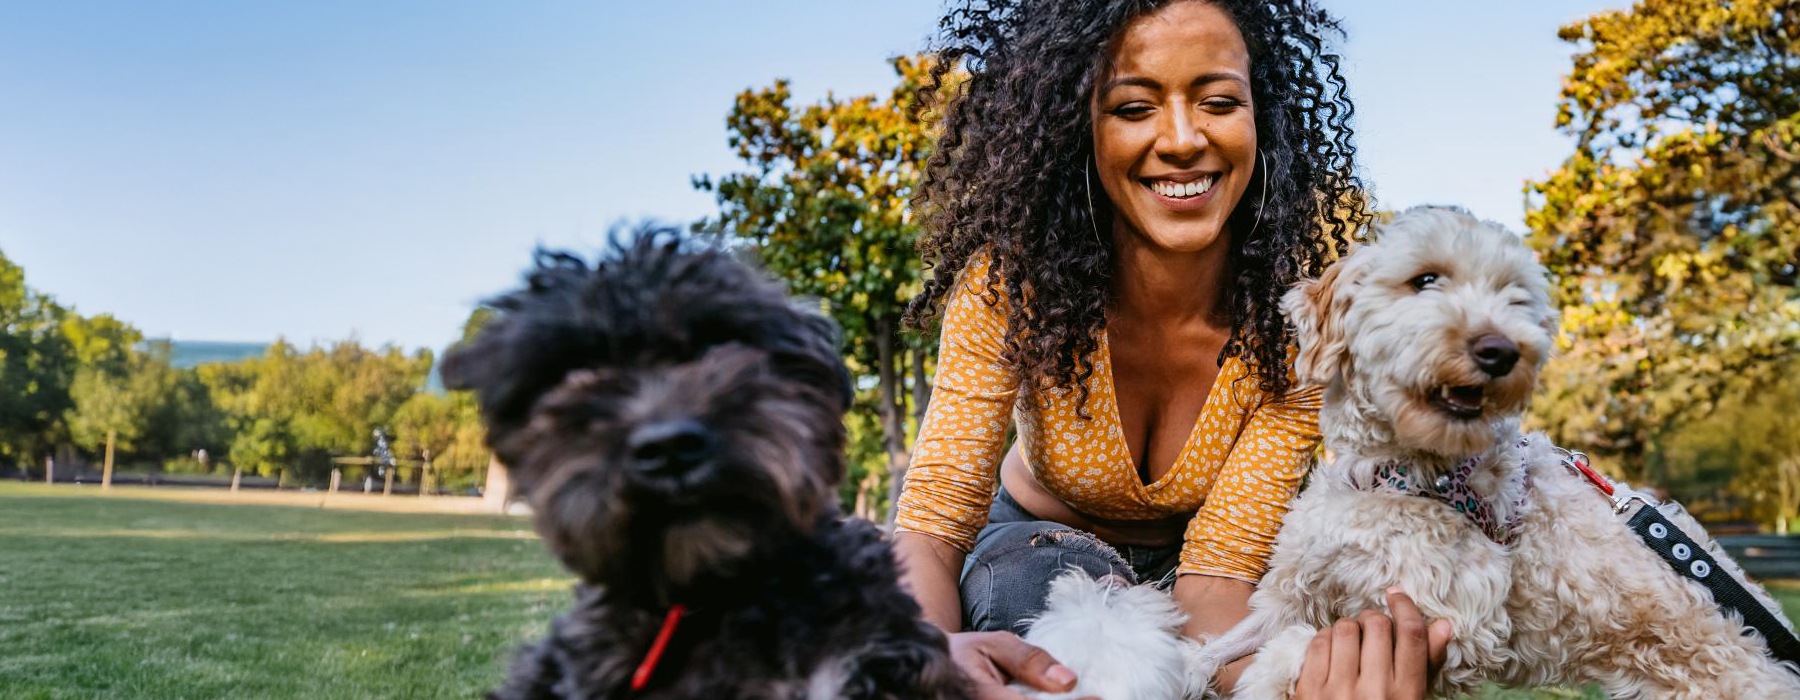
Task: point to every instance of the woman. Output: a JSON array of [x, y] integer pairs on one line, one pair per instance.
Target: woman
[[1122, 192]]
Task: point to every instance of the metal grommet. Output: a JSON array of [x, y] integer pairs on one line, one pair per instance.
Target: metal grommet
[[1681, 551], [1699, 568], [1658, 531]]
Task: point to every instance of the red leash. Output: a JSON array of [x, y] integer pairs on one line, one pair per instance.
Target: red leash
[[1580, 461], [641, 677]]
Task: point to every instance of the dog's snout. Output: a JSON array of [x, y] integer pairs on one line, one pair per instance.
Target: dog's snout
[[1495, 354], [670, 446]]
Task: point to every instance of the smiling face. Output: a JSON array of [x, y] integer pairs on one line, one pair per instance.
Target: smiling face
[[1174, 129]]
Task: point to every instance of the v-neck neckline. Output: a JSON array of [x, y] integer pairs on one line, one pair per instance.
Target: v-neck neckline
[[1118, 422]]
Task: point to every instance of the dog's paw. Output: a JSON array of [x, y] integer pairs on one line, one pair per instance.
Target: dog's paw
[[1277, 666], [1122, 642]]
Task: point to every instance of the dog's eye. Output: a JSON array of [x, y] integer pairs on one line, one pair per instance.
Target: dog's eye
[[1423, 281]]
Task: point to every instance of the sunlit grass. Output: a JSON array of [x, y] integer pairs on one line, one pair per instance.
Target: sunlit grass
[[118, 597]]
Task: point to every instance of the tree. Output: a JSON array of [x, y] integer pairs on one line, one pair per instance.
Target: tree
[[130, 398], [1752, 441], [37, 365], [443, 432], [292, 411], [826, 207], [1672, 232]]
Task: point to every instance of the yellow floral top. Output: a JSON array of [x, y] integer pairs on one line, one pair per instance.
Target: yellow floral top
[[1242, 462]]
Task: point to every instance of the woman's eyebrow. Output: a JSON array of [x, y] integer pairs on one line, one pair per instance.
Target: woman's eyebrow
[[1219, 76], [1129, 81], [1202, 79]]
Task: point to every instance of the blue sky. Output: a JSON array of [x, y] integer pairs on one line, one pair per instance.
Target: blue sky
[[213, 170]]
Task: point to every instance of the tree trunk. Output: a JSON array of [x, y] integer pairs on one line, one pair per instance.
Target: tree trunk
[[106, 471], [49, 469], [337, 477], [425, 476], [237, 477], [499, 488], [893, 415]]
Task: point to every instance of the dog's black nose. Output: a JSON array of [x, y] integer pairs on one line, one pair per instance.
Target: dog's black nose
[[670, 447], [1495, 354]]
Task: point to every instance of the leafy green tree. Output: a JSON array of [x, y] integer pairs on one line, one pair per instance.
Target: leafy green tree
[[292, 411], [1672, 231], [443, 432], [1751, 443], [134, 401], [37, 365], [825, 205]]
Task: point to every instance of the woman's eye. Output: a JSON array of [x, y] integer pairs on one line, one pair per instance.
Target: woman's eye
[[1129, 111], [1423, 281], [1221, 105]]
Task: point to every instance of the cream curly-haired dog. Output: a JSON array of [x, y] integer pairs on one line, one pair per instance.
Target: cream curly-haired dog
[[1428, 342]]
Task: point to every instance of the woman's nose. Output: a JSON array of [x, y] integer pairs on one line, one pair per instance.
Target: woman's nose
[[1180, 139]]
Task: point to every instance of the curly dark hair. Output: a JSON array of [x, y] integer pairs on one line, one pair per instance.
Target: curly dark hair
[[1019, 123]]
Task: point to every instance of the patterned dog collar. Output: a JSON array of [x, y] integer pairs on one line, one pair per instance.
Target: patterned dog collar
[[1453, 489]]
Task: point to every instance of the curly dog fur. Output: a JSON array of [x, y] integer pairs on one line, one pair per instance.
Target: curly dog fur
[[1429, 341], [677, 425]]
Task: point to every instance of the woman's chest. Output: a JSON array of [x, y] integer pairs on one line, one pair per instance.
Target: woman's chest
[[1148, 447], [1160, 386]]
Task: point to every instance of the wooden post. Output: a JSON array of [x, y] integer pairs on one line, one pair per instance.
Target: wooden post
[[106, 472], [387, 487], [336, 476], [49, 469], [237, 475]]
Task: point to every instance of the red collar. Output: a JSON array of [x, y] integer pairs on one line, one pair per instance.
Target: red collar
[[641, 677]]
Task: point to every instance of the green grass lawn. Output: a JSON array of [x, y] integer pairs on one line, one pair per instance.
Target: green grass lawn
[[122, 598], [116, 597]]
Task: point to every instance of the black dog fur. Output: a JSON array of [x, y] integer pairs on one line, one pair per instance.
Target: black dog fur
[[677, 425]]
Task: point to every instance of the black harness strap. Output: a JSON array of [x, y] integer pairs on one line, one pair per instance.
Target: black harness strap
[[1691, 561]]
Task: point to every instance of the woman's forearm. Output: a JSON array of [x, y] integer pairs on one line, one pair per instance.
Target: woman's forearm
[[1214, 604], [929, 568]]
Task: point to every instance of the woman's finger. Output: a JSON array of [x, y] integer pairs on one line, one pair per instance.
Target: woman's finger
[[1346, 637], [1438, 642], [1411, 646], [1029, 664], [1377, 669], [1314, 669]]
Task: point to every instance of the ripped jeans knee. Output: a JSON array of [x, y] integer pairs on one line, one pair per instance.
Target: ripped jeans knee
[[1008, 574]]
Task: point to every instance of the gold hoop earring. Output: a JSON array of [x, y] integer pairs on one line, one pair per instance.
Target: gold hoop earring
[[1261, 168], [1087, 182]]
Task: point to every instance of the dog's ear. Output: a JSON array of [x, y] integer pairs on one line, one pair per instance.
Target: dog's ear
[[1316, 309]]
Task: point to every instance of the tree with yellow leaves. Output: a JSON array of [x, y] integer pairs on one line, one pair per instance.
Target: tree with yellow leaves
[[1673, 230]]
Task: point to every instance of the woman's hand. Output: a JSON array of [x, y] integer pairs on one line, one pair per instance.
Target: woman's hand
[[993, 659], [1373, 657]]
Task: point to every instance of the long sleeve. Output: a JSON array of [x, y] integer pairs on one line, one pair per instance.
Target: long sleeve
[[956, 460], [1233, 533]]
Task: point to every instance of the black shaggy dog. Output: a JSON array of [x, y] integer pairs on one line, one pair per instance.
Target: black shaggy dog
[[677, 425]]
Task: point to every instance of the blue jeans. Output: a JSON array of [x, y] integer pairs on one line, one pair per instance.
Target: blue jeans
[[1007, 575]]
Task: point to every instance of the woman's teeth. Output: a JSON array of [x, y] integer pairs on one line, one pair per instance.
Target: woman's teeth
[[1181, 190]]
